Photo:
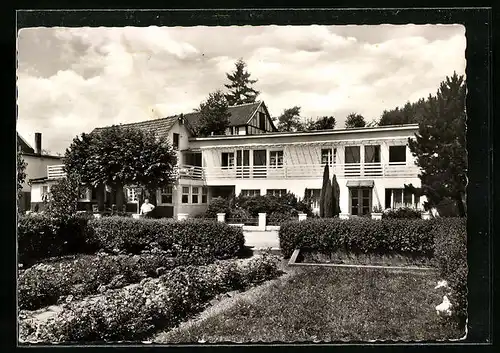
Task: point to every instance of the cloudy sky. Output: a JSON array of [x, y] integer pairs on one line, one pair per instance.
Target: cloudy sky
[[71, 80]]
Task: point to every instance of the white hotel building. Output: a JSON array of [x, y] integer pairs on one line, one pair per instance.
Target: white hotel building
[[371, 164]]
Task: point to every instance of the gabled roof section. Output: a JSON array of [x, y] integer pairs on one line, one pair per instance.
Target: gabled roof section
[[240, 114], [23, 145], [160, 126]]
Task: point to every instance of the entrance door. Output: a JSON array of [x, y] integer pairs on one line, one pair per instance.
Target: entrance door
[[243, 163], [361, 201], [259, 163]]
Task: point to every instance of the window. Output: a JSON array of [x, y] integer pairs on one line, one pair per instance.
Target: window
[[132, 195], [328, 155], [372, 154], [396, 198], [361, 199], [228, 159], [397, 153], [45, 192], [276, 192], [352, 154], [82, 193], [313, 196], [185, 194], [194, 194], [167, 195], [237, 130], [93, 194], [204, 194], [250, 192], [276, 159], [262, 121], [176, 140]]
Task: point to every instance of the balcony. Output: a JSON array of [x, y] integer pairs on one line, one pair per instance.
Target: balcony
[[55, 171], [313, 171], [190, 172]]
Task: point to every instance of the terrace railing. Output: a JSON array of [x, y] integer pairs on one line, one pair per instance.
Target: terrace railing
[[55, 171]]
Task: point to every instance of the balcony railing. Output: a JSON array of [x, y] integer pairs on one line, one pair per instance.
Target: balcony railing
[[312, 171], [55, 171], [190, 172]]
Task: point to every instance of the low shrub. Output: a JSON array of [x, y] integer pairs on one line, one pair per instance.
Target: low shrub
[[451, 254], [403, 212], [216, 239], [46, 283], [217, 205], [42, 235], [362, 235], [133, 312]]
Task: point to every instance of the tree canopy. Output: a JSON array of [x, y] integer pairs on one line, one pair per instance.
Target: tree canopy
[[240, 85], [355, 120], [439, 145], [290, 120], [215, 115], [119, 156], [323, 123], [21, 174], [410, 113]]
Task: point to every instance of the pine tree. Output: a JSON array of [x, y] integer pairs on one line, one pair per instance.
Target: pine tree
[[214, 115], [326, 179], [335, 196], [329, 204], [240, 86], [439, 145]]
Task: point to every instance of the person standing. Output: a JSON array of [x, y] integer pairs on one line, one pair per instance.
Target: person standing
[[147, 208]]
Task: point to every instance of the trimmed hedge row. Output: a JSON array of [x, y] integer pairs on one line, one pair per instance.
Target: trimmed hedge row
[[358, 235], [41, 236], [134, 235], [47, 283], [133, 312], [451, 253]]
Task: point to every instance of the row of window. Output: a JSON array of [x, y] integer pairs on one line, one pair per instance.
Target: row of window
[[191, 195], [256, 192], [328, 155]]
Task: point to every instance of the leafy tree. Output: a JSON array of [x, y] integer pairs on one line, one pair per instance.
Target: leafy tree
[[410, 113], [326, 179], [240, 90], [289, 120], [119, 156], [214, 115], [354, 120], [21, 176], [439, 145], [63, 197], [323, 123]]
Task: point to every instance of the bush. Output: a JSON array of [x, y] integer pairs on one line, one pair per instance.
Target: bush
[[134, 312], [403, 212], [42, 235], [44, 284], [135, 235], [238, 214], [217, 205], [361, 235], [451, 254]]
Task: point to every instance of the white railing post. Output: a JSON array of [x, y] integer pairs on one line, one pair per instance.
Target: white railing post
[[221, 217], [302, 217], [426, 215], [262, 221], [344, 216], [182, 216]]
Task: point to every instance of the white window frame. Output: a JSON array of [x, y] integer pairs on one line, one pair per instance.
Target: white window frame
[[165, 191], [204, 193], [414, 203], [275, 163], [132, 194], [231, 158], [331, 155], [184, 193], [250, 192], [284, 191], [195, 194]]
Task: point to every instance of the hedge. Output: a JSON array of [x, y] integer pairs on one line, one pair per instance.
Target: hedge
[[402, 213], [134, 312], [48, 283], [215, 239], [451, 254], [360, 235], [41, 236]]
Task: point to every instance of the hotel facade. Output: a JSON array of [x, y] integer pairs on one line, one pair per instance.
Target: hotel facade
[[372, 164]]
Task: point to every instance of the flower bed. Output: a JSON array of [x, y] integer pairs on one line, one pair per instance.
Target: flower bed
[[47, 283], [133, 312]]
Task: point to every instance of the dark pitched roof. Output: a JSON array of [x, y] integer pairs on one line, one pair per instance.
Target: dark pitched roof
[[161, 126], [240, 114], [23, 145]]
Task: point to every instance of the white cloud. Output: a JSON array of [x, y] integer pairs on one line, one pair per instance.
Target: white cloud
[[72, 80]]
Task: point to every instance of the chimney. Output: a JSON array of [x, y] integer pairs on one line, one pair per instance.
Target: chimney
[[38, 143]]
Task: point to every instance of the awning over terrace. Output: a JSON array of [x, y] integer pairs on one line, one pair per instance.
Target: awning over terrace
[[360, 183]]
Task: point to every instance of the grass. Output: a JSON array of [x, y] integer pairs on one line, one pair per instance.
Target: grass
[[329, 304]]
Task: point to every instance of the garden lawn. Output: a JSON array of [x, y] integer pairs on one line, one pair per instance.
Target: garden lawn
[[329, 304]]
